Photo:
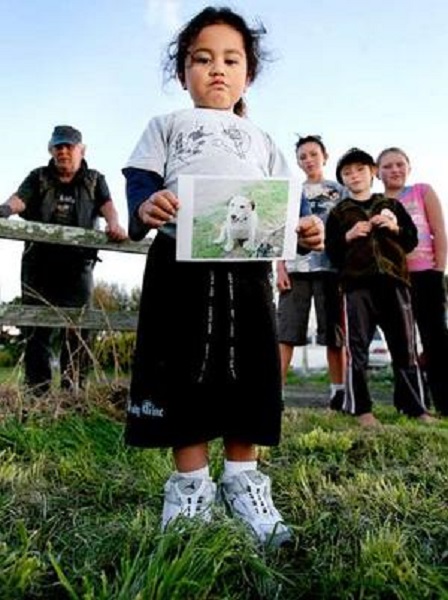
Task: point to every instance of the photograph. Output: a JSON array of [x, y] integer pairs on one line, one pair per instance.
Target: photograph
[[237, 219]]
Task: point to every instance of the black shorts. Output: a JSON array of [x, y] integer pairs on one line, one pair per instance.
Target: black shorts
[[294, 307], [206, 361]]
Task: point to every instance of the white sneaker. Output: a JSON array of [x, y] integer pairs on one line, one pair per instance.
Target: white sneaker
[[247, 496], [188, 496]]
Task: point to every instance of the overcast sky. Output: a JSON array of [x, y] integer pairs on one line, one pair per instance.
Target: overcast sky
[[368, 74]]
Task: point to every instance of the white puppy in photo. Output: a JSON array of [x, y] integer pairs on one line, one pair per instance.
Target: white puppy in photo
[[240, 225]]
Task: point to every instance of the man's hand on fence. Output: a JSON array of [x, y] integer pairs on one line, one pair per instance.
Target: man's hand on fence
[[115, 232], [5, 211], [12, 206]]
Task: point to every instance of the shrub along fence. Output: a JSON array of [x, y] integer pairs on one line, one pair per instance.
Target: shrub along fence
[[22, 315]]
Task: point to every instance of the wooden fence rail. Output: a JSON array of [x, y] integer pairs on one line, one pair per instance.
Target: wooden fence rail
[[52, 316], [22, 315], [13, 229]]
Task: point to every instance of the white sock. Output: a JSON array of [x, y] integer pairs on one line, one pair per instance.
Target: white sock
[[202, 473], [233, 467], [335, 387]]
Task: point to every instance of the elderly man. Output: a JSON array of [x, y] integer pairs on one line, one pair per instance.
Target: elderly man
[[65, 192]]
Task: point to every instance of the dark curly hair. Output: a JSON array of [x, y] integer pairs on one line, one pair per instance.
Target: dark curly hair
[[178, 49]]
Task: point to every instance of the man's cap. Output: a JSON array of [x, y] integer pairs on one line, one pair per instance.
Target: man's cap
[[354, 155], [65, 134]]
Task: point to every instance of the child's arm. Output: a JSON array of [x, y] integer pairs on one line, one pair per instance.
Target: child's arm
[[335, 240], [140, 185], [359, 229], [310, 233], [158, 209], [406, 232], [386, 219], [310, 230], [283, 281], [436, 221]]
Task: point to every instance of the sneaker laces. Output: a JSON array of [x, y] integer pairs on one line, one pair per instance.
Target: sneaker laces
[[248, 497], [261, 500], [189, 497], [255, 492], [193, 501]]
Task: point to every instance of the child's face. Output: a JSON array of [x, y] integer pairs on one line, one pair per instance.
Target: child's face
[[357, 177], [393, 170], [216, 68], [311, 160]]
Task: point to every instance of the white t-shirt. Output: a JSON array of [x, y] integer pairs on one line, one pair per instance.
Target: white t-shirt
[[204, 141]]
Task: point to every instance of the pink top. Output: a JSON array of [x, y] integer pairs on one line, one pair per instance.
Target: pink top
[[422, 258]]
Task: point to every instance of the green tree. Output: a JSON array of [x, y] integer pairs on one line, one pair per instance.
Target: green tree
[[115, 349]]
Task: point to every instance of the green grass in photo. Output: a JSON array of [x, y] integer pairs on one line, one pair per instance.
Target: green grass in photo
[[271, 200]]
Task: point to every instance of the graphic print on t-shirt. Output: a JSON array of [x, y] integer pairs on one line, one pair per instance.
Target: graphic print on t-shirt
[[234, 140], [189, 144], [322, 197], [65, 209]]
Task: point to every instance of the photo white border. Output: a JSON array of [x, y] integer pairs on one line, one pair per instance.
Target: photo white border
[[185, 217]]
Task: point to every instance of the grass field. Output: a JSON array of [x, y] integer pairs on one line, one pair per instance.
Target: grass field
[[80, 512]]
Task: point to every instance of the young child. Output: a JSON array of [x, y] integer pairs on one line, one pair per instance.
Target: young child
[[426, 263], [311, 276], [206, 361], [367, 239]]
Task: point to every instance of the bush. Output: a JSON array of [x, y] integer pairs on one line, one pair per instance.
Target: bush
[[11, 348], [114, 350]]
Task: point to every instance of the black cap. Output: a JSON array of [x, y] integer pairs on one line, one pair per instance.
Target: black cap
[[65, 134], [354, 155]]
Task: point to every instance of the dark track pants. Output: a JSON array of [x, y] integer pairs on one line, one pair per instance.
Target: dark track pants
[[387, 303]]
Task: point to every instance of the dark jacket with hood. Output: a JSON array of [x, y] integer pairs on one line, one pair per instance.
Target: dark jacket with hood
[[382, 252]]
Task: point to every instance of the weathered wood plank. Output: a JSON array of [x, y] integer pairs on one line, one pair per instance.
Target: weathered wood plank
[[22, 315], [15, 229]]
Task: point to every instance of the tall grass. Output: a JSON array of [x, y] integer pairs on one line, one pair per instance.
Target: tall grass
[[80, 513]]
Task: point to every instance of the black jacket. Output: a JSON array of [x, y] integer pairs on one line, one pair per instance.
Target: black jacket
[[44, 181], [380, 253], [40, 191]]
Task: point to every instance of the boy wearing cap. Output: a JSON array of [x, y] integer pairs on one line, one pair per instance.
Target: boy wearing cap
[[65, 192], [367, 237]]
